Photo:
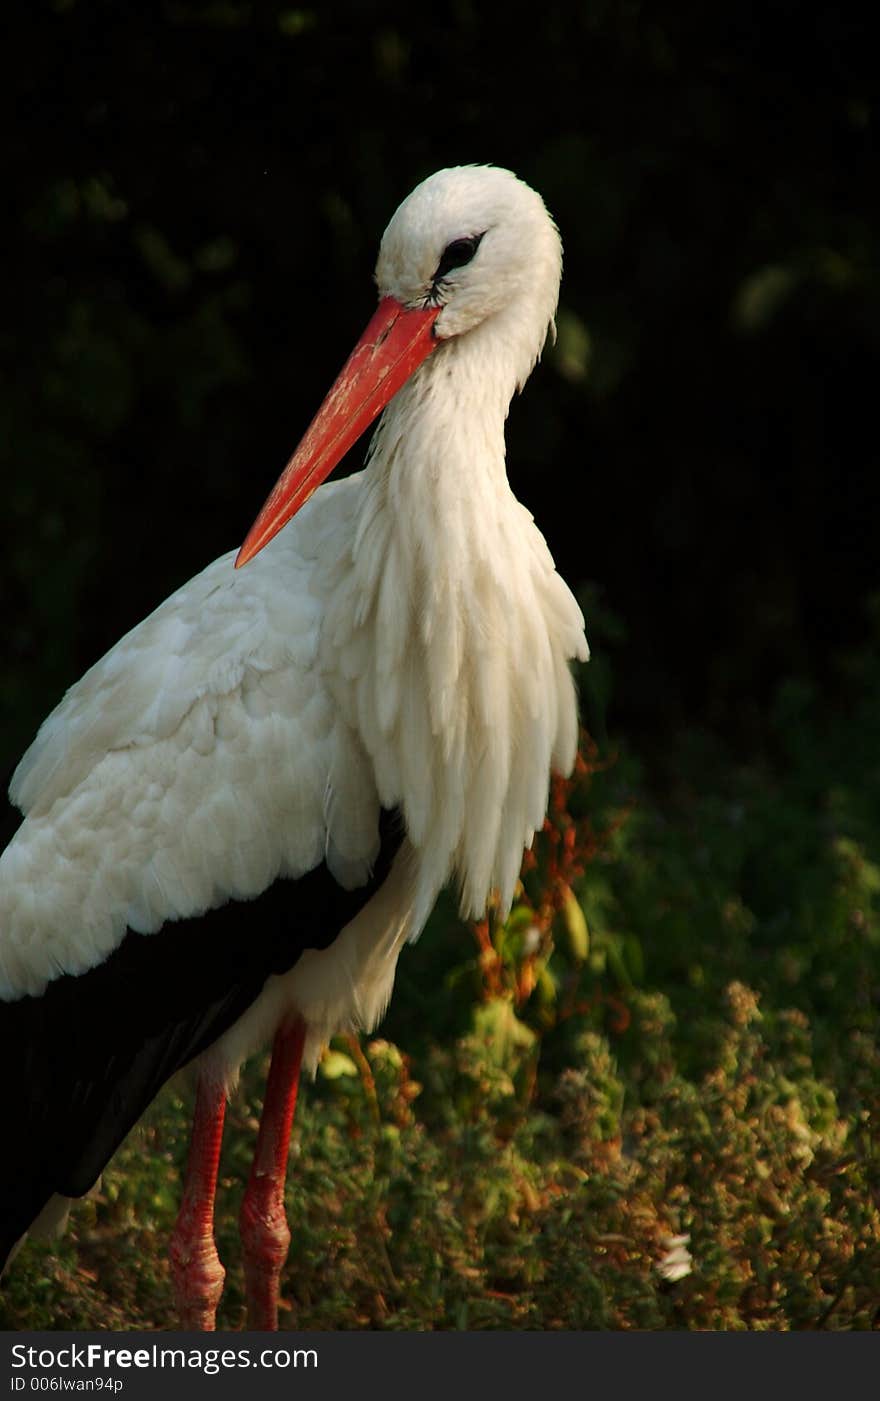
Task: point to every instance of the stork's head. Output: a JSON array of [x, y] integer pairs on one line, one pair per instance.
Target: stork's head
[[472, 252], [473, 241]]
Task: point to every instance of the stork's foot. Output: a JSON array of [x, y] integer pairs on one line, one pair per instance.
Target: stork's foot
[[196, 1271], [198, 1277], [265, 1235], [265, 1239]]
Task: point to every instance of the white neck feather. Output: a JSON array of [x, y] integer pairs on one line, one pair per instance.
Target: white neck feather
[[452, 631]]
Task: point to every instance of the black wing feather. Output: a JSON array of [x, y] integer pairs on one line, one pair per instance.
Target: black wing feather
[[84, 1060]]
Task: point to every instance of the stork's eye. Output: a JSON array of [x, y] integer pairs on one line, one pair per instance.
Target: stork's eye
[[456, 254]]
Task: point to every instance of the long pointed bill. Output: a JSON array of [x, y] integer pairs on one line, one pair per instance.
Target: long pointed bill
[[394, 344]]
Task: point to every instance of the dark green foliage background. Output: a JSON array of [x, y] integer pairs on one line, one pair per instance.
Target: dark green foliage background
[[194, 195]]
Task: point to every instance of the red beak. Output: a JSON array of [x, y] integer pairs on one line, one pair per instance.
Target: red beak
[[394, 344]]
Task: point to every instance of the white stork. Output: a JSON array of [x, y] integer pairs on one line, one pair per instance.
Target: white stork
[[237, 818]]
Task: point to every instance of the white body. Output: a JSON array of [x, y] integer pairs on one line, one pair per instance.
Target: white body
[[404, 641]]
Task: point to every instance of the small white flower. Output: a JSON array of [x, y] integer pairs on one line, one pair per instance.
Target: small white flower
[[531, 939], [677, 1262]]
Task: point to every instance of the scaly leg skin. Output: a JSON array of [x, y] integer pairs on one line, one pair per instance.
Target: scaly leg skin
[[196, 1270], [265, 1235]]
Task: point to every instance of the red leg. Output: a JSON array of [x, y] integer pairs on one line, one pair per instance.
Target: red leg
[[265, 1235], [195, 1265]]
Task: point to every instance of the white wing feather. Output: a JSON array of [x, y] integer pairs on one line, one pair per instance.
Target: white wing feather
[[201, 758]]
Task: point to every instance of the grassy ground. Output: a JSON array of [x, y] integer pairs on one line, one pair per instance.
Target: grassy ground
[[650, 1099]]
